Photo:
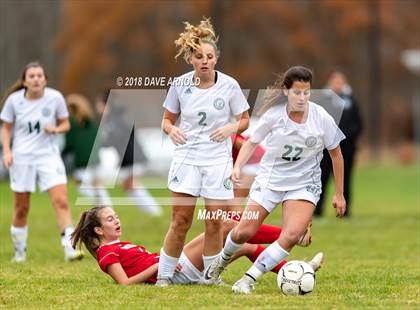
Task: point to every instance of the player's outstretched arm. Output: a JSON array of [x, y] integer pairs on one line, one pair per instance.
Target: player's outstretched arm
[[7, 154], [339, 203], [117, 273]]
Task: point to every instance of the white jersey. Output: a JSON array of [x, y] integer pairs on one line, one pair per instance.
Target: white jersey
[[202, 111], [294, 151], [29, 118]]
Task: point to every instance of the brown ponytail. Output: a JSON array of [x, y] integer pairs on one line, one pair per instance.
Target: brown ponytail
[[85, 230], [274, 93]]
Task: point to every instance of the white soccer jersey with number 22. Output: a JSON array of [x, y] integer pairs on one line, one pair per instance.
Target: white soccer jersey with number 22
[[294, 151]]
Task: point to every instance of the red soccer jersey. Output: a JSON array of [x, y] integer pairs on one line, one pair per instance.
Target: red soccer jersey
[[255, 157], [134, 259]]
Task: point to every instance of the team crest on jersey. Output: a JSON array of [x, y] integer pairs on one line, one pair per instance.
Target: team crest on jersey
[[310, 141], [46, 112], [228, 183], [219, 103], [314, 189]]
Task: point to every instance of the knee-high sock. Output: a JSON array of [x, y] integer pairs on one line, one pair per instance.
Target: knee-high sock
[[267, 260], [167, 265], [266, 234], [260, 248], [230, 248], [66, 238], [19, 238]]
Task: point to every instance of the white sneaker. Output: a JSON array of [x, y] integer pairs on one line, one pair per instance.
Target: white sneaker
[[212, 273], [163, 282], [306, 238], [71, 255], [20, 257], [317, 261], [244, 285]]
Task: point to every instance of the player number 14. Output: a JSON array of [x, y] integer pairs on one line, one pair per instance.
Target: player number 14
[[34, 127]]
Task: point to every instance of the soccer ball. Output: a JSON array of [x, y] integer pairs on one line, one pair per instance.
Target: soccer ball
[[296, 278]]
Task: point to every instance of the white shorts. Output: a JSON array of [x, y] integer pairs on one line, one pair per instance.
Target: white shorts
[[269, 199], [212, 182], [188, 274], [23, 177]]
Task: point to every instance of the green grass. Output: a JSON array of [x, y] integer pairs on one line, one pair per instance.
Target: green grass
[[372, 259]]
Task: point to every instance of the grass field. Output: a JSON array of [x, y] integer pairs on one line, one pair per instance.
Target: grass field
[[372, 259]]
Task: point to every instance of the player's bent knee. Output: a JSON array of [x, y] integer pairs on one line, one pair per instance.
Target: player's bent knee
[[291, 237], [61, 203], [213, 225], [181, 224]]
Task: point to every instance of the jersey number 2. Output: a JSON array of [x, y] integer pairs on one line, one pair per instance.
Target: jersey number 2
[[203, 116], [289, 150], [36, 127]]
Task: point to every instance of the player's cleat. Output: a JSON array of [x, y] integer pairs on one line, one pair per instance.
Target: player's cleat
[[71, 255], [244, 285], [306, 238], [20, 257], [317, 261], [163, 282], [218, 282], [212, 273]]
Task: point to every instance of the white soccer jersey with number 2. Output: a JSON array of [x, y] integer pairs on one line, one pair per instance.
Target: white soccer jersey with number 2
[[202, 111], [29, 117], [294, 151]]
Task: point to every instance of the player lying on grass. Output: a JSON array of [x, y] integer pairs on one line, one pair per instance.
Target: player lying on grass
[[99, 229]]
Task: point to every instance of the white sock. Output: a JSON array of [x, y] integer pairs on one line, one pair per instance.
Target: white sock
[[66, 238], [207, 260], [87, 192], [267, 260], [167, 265], [145, 201], [19, 237], [230, 248], [103, 196]]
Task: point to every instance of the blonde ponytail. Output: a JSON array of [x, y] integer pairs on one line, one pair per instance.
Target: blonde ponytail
[[193, 36]]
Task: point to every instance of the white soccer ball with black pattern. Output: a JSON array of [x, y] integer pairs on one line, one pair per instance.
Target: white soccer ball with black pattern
[[296, 278]]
